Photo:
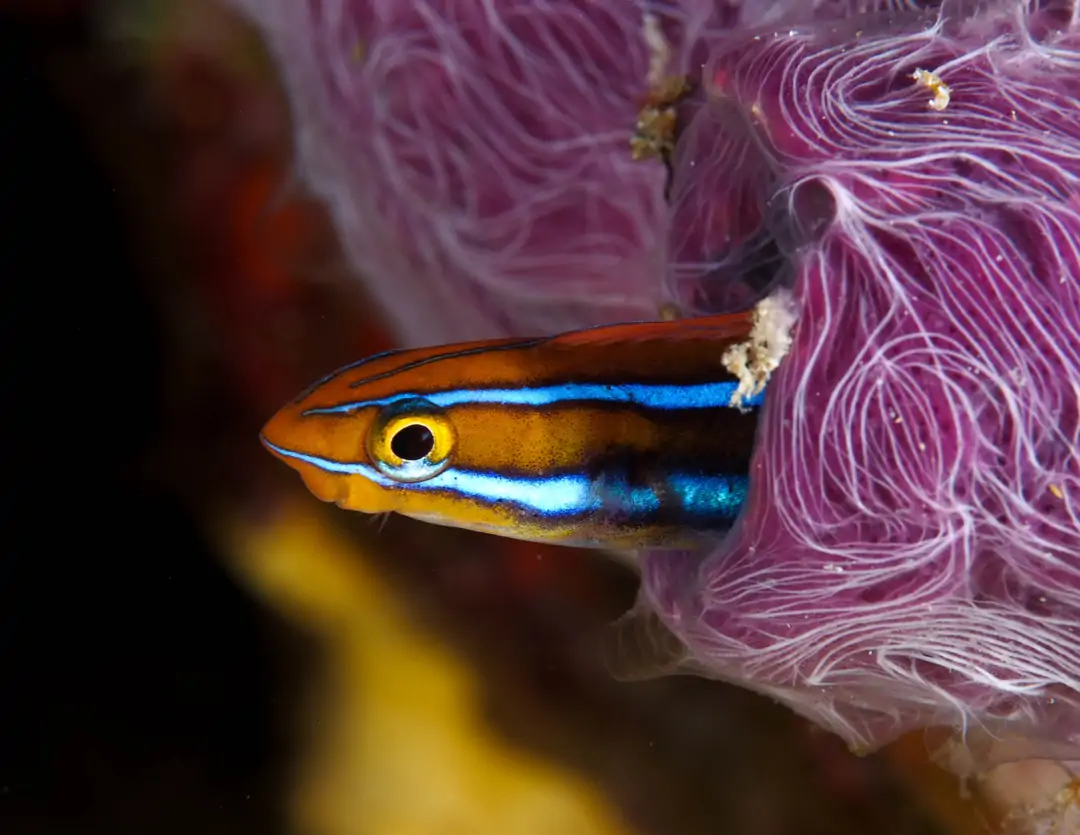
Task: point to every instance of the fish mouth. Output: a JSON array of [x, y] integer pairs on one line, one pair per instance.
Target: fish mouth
[[318, 483], [349, 492], [279, 452]]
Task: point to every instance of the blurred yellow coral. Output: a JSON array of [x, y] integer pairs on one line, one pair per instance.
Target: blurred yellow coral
[[404, 749]]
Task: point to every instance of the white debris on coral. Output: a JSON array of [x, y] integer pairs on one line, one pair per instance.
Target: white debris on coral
[[754, 360], [932, 82]]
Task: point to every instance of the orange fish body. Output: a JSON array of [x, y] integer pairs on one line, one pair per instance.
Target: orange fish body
[[622, 436]]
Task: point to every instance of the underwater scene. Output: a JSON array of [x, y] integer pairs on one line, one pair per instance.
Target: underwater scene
[[592, 417]]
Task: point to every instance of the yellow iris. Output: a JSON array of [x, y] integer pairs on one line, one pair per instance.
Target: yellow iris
[[412, 440]]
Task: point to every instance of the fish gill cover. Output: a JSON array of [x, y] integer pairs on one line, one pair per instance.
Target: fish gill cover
[[910, 552]]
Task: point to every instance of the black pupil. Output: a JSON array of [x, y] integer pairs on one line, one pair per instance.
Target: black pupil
[[413, 442]]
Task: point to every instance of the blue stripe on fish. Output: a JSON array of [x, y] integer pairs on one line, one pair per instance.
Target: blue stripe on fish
[[561, 495], [661, 397]]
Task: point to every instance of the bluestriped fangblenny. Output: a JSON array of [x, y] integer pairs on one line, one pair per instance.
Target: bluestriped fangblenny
[[622, 436]]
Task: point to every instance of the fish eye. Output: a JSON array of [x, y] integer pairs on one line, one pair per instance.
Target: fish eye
[[411, 440]]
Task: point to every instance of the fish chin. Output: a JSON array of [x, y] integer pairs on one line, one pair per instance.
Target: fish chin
[[323, 487], [438, 519], [476, 527], [359, 494]]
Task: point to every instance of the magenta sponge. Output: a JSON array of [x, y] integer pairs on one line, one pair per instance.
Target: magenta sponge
[[910, 552]]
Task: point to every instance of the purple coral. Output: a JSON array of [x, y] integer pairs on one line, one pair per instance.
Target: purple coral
[[475, 156], [910, 554], [911, 549]]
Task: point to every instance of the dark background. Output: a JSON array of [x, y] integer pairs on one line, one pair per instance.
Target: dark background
[[137, 687]]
